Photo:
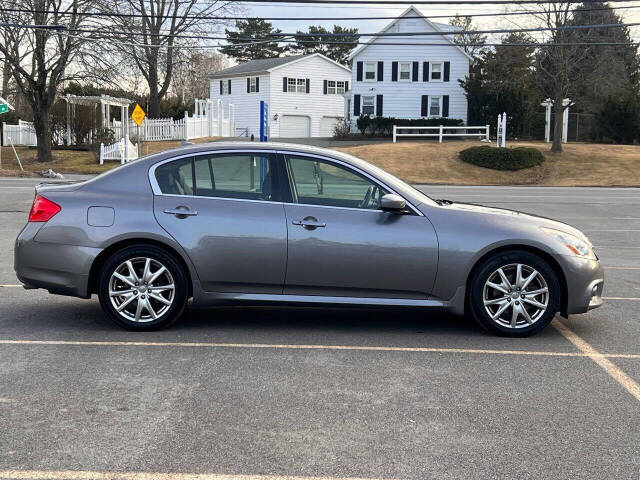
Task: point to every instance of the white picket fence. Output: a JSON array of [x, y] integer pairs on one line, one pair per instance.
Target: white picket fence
[[206, 122], [441, 131], [124, 150], [22, 134]]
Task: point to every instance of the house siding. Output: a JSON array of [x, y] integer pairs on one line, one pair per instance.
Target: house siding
[[402, 99], [314, 104], [246, 105]]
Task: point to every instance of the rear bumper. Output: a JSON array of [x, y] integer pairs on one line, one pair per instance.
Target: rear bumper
[[585, 282], [60, 269]]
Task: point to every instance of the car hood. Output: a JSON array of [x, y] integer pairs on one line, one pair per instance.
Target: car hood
[[517, 216]]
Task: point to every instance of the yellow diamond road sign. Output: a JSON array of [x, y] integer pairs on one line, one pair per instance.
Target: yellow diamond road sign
[[138, 115]]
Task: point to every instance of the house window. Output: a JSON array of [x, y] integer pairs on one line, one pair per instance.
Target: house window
[[436, 71], [253, 85], [297, 85], [434, 106], [370, 70], [225, 88], [368, 105], [405, 70], [335, 87]]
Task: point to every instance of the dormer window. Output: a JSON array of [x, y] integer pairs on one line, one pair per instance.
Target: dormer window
[[370, 71]]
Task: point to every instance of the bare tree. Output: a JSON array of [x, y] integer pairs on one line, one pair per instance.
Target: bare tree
[[192, 71], [149, 33], [469, 41], [38, 59]]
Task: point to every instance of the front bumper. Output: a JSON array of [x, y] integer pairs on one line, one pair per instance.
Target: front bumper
[[58, 268], [585, 282]]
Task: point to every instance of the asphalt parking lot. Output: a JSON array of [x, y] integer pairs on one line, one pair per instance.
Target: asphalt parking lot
[[257, 393]]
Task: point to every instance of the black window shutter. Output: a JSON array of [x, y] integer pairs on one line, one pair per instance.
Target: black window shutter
[[425, 71], [284, 84], [248, 84], [220, 87], [379, 105], [424, 110], [308, 84], [346, 86], [229, 86], [445, 106], [414, 77], [359, 71], [447, 70], [324, 87], [394, 71], [257, 84], [356, 105], [380, 71]]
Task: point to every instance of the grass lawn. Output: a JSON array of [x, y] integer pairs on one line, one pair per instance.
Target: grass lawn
[[580, 164], [70, 161]]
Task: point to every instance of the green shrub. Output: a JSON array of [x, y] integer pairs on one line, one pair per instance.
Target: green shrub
[[502, 158], [383, 126]]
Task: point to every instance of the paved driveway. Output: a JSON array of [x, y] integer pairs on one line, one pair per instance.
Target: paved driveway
[[327, 393]]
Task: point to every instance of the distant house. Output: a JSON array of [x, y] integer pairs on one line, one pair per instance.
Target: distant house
[[409, 81], [304, 93]]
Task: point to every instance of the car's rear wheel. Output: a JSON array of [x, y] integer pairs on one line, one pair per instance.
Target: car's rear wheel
[[514, 293], [143, 288]]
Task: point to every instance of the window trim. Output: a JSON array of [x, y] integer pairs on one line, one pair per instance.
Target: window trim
[[439, 97], [375, 72], [431, 64], [373, 104], [280, 164], [409, 71], [336, 87], [300, 83], [253, 84], [225, 88]]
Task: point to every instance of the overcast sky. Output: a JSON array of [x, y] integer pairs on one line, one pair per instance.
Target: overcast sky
[[372, 26]]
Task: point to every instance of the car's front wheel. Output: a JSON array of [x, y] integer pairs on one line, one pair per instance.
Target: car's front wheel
[[514, 294], [143, 288]]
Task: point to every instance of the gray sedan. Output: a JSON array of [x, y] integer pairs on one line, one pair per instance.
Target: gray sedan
[[247, 222]]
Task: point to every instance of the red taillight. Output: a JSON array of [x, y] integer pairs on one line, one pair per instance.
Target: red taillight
[[42, 209]]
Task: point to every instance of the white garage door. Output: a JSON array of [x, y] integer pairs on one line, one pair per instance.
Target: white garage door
[[295, 126], [327, 124]]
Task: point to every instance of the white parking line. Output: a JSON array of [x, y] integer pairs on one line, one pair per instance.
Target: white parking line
[[614, 372], [94, 475], [293, 346]]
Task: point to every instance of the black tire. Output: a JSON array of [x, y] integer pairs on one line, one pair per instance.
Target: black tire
[[491, 265], [176, 271]]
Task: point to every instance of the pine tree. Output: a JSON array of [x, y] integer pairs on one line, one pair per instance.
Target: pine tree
[[252, 29], [336, 48]]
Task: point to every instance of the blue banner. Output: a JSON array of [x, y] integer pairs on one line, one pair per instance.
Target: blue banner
[[264, 121]]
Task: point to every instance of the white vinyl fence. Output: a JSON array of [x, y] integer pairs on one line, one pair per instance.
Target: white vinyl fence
[[22, 134], [441, 131], [124, 150], [207, 121]]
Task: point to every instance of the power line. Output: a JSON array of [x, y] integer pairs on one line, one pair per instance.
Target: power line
[[217, 17], [421, 2]]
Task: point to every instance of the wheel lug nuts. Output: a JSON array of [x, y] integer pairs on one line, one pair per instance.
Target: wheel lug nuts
[[517, 303], [135, 292], [522, 296], [142, 296], [137, 284]]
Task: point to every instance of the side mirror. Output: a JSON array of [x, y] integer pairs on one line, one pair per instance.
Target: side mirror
[[392, 203]]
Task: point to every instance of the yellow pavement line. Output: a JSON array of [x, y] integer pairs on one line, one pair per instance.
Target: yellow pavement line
[[94, 475], [294, 346], [614, 372]]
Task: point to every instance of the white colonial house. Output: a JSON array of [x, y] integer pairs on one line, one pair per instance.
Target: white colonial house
[[409, 81], [304, 94]]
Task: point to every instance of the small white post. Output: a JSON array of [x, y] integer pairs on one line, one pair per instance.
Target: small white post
[[232, 120], [504, 129], [566, 103], [125, 157], [102, 153], [186, 125], [498, 128], [440, 135], [487, 137], [209, 118], [220, 116], [68, 124], [394, 133]]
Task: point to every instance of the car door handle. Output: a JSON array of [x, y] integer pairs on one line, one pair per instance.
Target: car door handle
[[181, 212], [309, 222]]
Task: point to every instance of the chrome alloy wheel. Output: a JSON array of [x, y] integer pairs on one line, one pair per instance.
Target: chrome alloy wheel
[[141, 289], [515, 296]]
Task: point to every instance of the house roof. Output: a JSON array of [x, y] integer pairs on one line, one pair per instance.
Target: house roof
[[264, 65], [446, 30]]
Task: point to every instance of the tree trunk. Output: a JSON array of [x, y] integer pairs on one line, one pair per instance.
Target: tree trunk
[[154, 97], [556, 146], [6, 72], [42, 127]]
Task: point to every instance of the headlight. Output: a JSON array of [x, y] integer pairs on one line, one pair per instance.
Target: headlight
[[575, 245]]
